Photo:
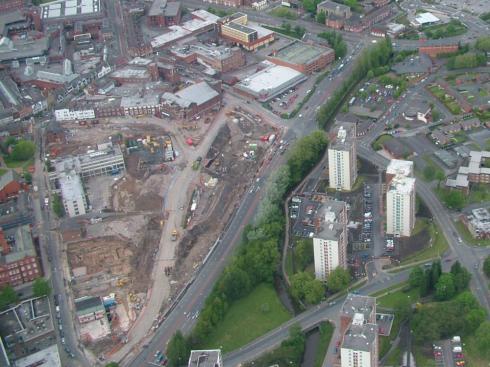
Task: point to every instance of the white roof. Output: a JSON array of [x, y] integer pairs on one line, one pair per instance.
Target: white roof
[[205, 15], [261, 31], [460, 181], [196, 24], [71, 186], [400, 167], [175, 32], [198, 93], [270, 78], [402, 185], [48, 357], [424, 18]]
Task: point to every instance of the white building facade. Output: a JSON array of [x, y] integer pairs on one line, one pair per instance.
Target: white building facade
[[330, 242], [342, 158], [400, 198]]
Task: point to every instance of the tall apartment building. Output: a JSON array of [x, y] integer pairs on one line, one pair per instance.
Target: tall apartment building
[[360, 333], [238, 30], [330, 239], [400, 198], [342, 159]]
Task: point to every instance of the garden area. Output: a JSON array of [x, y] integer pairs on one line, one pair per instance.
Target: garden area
[[451, 29], [449, 101], [288, 30], [282, 12]]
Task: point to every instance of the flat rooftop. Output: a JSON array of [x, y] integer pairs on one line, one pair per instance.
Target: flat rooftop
[[71, 186], [21, 49], [205, 358], [301, 53], [400, 167], [69, 8], [360, 337], [48, 357], [273, 77], [240, 27], [402, 185], [345, 136], [355, 303]]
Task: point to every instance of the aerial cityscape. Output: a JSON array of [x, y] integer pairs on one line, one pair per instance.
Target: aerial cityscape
[[253, 183]]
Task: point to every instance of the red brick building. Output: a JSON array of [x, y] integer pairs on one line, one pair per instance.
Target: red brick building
[[434, 51], [303, 57], [220, 58], [163, 13], [9, 186], [9, 5], [18, 260]]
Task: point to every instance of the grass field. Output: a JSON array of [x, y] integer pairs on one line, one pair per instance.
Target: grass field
[[18, 164], [2, 171], [446, 99], [326, 332], [472, 356], [390, 300], [378, 143], [248, 318], [283, 13], [468, 238], [438, 246]]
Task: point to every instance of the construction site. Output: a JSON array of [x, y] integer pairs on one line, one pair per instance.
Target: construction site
[[131, 217]]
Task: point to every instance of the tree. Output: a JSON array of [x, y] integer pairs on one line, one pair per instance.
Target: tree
[[286, 26], [429, 173], [454, 199], [306, 288], [304, 253], [445, 288], [440, 176], [7, 297], [486, 266], [178, 350], [296, 340], [416, 277], [23, 150], [41, 287], [310, 5], [403, 309], [338, 280], [482, 340], [57, 206], [435, 273], [483, 44], [462, 277], [321, 17]]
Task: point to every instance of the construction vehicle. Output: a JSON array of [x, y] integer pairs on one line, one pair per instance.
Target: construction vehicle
[[175, 235]]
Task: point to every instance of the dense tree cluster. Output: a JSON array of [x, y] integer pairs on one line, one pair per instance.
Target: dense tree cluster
[[41, 287], [7, 297], [376, 56], [305, 288], [486, 266], [467, 60], [334, 39]]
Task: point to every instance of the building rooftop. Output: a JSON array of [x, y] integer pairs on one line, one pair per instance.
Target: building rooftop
[[355, 304], [139, 101], [21, 246], [131, 72], [400, 167], [360, 337], [198, 93], [69, 8], [214, 52], [300, 52], [48, 357], [402, 185], [174, 33], [460, 181], [87, 304], [327, 4], [269, 79], [15, 16], [205, 358], [424, 18], [261, 31], [475, 164], [240, 27], [157, 8], [71, 186], [21, 49], [205, 15], [331, 224], [8, 177], [344, 136]]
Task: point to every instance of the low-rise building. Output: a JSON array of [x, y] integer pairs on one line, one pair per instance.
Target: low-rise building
[[303, 57], [239, 31], [72, 193], [74, 115], [89, 308], [357, 304], [220, 58], [191, 101], [333, 8], [205, 358], [269, 82], [475, 172], [10, 185], [436, 50], [478, 223], [163, 13], [18, 261]]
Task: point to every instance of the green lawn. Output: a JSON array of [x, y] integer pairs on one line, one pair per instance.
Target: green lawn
[[435, 168], [472, 355], [390, 300], [451, 29], [394, 358], [18, 164], [283, 13], [326, 332], [388, 289], [378, 143], [286, 32], [3, 171], [468, 238], [246, 319], [478, 193], [439, 245], [385, 341], [449, 101]]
